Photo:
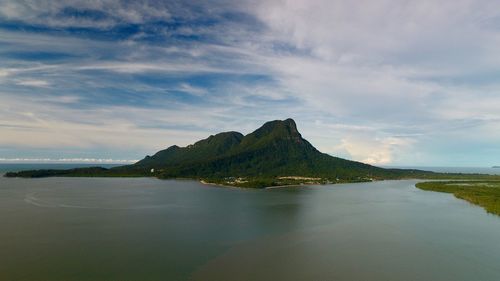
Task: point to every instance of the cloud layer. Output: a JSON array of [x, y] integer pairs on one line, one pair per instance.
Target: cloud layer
[[385, 82]]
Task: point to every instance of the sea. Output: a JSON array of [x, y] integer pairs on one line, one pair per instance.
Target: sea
[[150, 229]]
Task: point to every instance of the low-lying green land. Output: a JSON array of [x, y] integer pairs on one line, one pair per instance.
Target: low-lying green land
[[483, 193]]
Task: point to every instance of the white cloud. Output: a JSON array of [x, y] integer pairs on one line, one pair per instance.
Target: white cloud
[[374, 151], [196, 91], [33, 83], [148, 66], [3, 73]]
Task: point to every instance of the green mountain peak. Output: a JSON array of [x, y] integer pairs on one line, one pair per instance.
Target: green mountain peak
[[279, 128]]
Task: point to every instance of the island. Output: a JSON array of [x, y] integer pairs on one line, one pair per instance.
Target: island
[[275, 154]]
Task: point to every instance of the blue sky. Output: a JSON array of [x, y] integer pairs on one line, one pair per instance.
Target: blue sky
[[384, 82]]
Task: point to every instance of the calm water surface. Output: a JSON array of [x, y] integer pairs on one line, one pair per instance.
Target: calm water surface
[[148, 229]]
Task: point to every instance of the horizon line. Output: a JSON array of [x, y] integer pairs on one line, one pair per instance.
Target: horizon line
[[65, 161]]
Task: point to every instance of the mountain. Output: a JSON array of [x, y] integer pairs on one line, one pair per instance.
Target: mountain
[[209, 148], [275, 150], [274, 154]]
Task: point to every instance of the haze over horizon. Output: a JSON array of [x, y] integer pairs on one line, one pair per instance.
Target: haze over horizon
[[382, 82]]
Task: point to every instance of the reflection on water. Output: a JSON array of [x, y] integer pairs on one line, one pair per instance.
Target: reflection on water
[[148, 229]]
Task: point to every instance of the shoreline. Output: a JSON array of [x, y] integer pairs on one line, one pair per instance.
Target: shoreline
[[219, 185], [267, 187], [2, 174], [295, 185]]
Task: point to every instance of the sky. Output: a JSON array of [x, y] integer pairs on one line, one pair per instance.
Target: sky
[[392, 83]]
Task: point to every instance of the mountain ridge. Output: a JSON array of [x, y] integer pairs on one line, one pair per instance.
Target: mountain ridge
[[277, 143], [273, 154]]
